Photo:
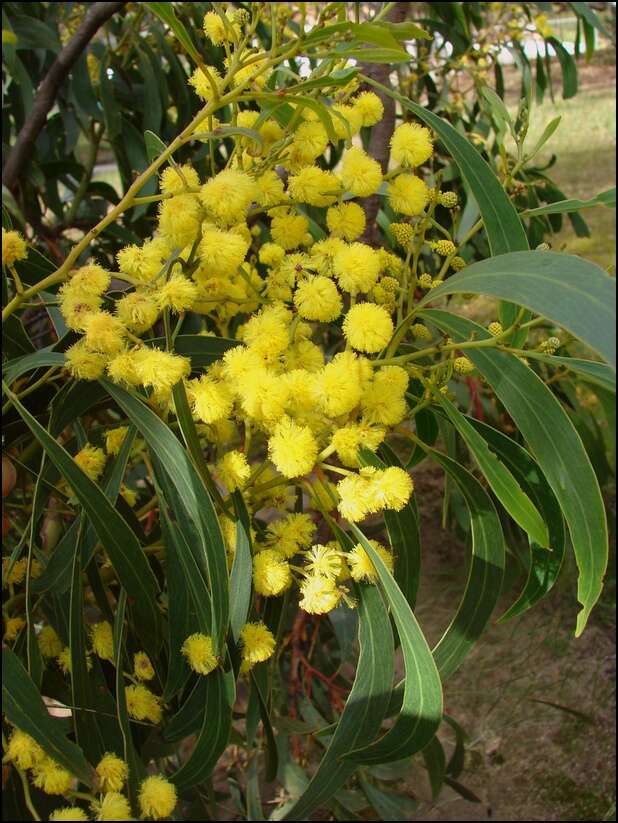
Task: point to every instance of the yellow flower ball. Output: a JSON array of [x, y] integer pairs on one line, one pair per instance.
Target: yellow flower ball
[[292, 448], [258, 643], [317, 298], [361, 566], [102, 640], [112, 772], [408, 194], [411, 145], [114, 438], [356, 267], [178, 294], [113, 806], [14, 247], [314, 186], [50, 644], [142, 667], [103, 332], [199, 651], [23, 750], [370, 107], [233, 470], [12, 628], [228, 195], [346, 220], [91, 461], [51, 777], [368, 327], [142, 704], [291, 534], [175, 179], [319, 595], [288, 230], [83, 363], [69, 812], [271, 573], [361, 175], [157, 797]]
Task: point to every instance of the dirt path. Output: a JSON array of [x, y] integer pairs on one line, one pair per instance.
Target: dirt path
[[526, 760]]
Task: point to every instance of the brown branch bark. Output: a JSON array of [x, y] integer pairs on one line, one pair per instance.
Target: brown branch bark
[[20, 154], [381, 133]]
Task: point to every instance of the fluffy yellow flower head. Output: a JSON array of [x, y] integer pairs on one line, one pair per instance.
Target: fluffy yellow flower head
[[271, 254], [13, 626], [50, 644], [310, 141], [114, 438], [267, 333], [317, 298], [319, 594], [288, 230], [178, 294], [142, 667], [112, 772], [361, 566], [411, 145], [102, 640], [113, 806], [291, 534], [91, 279], [142, 704], [348, 439], [356, 267], [217, 30], [175, 179], [18, 571], [361, 175], [348, 123], [159, 369], [157, 797], [338, 385], [69, 812], [14, 247], [258, 644], [271, 573], [233, 470], [315, 186], [346, 220], [356, 500], [292, 448], [23, 750], [145, 261], [179, 220], [211, 399], [392, 488], [370, 107], [368, 327], [201, 85], [200, 653], [137, 311], [51, 777], [408, 194], [324, 561], [270, 189], [383, 400], [103, 332], [83, 363], [221, 252], [91, 461], [228, 196]]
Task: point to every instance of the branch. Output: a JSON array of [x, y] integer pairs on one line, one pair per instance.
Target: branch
[[45, 97], [381, 133]]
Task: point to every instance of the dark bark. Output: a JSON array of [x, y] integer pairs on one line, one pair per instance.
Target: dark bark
[[20, 154], [381, 133]]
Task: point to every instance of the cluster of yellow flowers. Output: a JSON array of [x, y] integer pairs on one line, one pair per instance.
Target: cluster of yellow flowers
[[309, 315], [157, 796]]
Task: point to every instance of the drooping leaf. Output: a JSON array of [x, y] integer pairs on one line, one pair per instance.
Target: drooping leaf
[[364, 708], [421, 710], [557, 448], [123, 548], [241, 573], [605, 198], [24, 708], [573, 292], [501, 481]]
